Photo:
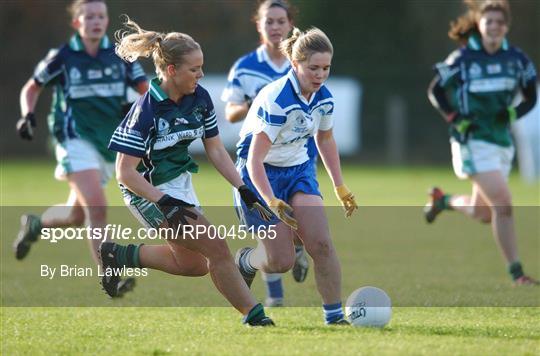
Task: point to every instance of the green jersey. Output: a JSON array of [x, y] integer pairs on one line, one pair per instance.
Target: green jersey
[[88, 91], [159, 131], [480, 85]]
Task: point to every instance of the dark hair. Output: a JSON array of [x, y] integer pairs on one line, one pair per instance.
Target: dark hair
[[75, 7], [467, 24], [267, 4]]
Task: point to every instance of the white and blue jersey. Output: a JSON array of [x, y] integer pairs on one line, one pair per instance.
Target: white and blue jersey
[[249, 75], [289, 121]]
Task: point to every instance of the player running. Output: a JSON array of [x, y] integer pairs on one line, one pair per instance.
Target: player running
[[273, 159], [274, 20], [154, 169], [90, 84], [474, 89]]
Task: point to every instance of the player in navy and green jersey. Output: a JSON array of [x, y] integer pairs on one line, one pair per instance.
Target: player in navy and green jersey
[[250, 73], [89, 82], [155, 170], [474, 90]]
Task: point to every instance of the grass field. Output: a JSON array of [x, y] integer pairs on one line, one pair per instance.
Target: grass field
[[449, 288]]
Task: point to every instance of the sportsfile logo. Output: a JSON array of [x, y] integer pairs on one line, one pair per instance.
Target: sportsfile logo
[[191, 232]]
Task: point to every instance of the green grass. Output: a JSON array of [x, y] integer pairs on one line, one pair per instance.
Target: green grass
[[453, 267]]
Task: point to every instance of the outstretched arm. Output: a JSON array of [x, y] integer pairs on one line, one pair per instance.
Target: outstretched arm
[[236, 112], [437, 97], [29, 96], [220, 158], [328, 151]]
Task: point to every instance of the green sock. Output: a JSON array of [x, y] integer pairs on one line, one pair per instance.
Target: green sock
[[255, 314], [35, 227], [444, 203], [128, 256], [516, 270]]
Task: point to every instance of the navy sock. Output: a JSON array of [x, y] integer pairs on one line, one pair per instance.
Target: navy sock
[[274, 285], [333, 312], [245, 264], [256, 314]]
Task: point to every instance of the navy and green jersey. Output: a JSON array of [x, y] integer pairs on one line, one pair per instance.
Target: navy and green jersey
[[480, 85], [159, 131], [88, 91]]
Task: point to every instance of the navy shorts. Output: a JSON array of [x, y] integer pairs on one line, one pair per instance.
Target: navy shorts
[[285, 182]]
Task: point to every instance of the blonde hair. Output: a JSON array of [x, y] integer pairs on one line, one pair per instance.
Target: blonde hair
[[301, 45], [74, 9], [467, 24], [165, 48]]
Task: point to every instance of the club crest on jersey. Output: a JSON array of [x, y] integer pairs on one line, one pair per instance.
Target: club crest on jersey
[[163, 127], [74, 75], [475, 71], [197, 113], [300, 123]]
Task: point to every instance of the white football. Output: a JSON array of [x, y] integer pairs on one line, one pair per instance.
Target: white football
[[368, 306]]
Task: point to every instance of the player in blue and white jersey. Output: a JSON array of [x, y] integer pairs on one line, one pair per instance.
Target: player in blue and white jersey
[[474, 90], [273, 159], [90, 84], [274, 20], [155, 170]]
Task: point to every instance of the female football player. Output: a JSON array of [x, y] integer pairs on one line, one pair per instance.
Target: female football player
[[274, 20], [154, 169], [89, 83], [274, 160], [474, 89]]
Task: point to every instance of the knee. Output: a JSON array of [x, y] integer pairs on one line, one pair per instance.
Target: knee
[[502, 210], [97, 213], [77, 217], [280, 263]]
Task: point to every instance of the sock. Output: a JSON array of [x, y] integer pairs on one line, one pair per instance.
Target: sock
[[444, 203], [128, 256], [274, 285], [333, 312], [245, 264], [516, 270], [35, 228], [255, 315]]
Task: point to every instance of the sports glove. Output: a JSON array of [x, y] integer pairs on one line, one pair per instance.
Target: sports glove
[[506, 115], [24, 126], [175, 210], [283, 211], [253, 202], [347, 199]]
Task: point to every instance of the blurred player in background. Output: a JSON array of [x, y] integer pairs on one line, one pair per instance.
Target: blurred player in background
[[274, 20], [474, 89], [155, 169], [90, 84], [273, 159]]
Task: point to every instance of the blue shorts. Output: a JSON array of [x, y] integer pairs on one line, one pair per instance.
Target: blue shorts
[[285, 182]]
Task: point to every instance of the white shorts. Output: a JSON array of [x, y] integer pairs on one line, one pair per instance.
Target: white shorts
[[148, 213], [75, 155], [478, 156]]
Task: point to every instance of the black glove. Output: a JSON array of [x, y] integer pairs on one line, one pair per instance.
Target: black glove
[[253, 202], [24, 126], [175, 210]]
